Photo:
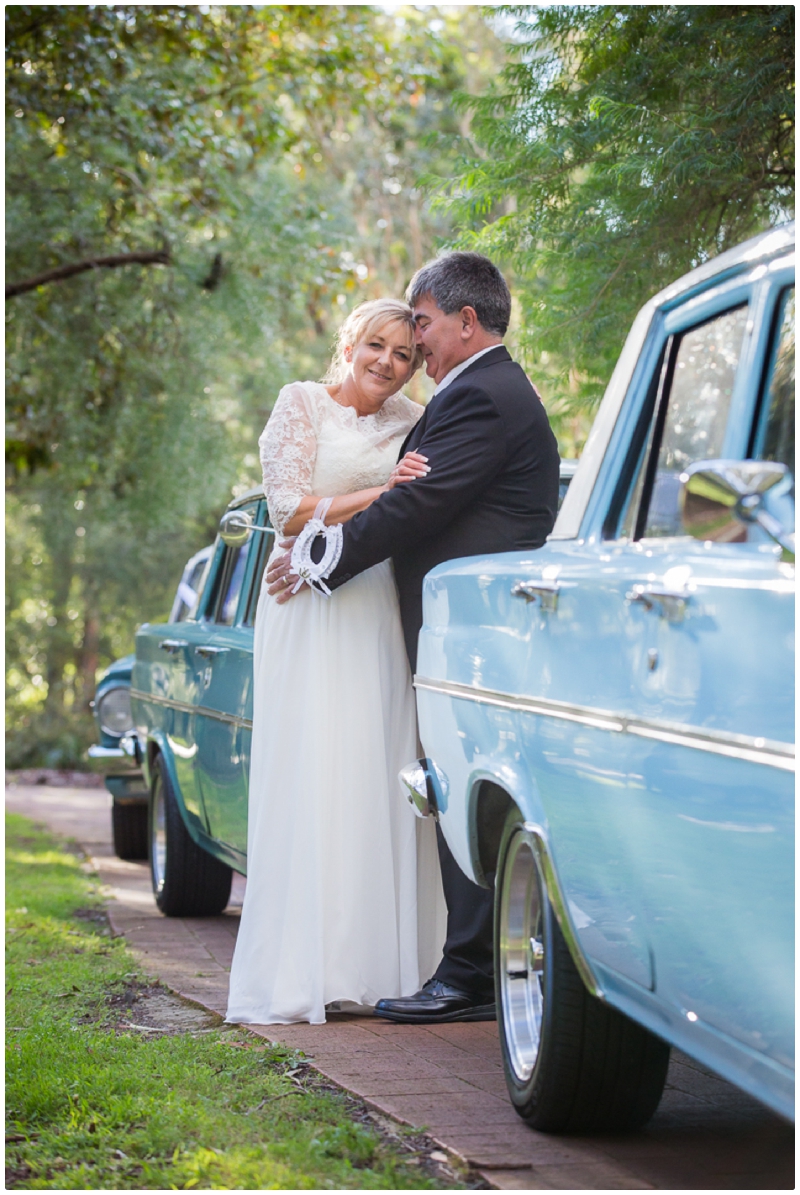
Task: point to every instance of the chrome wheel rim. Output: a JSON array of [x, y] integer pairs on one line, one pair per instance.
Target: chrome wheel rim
[[158, 846], [521, 946]]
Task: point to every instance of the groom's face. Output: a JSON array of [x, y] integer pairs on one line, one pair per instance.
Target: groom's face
[[446, 340]]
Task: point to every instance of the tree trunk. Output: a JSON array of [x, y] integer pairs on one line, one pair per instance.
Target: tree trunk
[[415, 235], [89, 658], [59, 642]]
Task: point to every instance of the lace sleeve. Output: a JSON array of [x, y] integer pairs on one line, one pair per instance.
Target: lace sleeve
[[288, 450]]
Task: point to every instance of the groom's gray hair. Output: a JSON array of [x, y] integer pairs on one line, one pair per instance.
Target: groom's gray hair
[[457, 280]]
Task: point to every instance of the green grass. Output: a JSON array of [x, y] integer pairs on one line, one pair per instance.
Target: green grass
[[91, 1106]]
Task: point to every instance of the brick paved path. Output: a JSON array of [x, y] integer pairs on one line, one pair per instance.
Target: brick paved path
[[448, 1079]]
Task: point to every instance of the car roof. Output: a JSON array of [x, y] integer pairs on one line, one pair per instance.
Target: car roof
[[203, 555], [250, 496]]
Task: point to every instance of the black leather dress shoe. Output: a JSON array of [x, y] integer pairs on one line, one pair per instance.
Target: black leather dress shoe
[[435, 1003]]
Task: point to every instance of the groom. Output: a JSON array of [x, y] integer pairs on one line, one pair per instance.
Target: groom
[[492, 487]]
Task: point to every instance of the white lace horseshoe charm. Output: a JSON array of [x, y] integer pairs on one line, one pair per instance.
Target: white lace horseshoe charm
[[308, 571]]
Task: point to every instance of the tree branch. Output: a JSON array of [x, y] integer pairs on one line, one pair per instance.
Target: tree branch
[[146, 257]]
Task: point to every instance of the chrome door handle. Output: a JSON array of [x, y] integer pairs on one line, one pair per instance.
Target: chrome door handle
[[209, 652], [671, 603], [173, 645], [545, 591]]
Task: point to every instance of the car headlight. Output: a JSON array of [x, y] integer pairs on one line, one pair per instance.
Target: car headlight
[[114, 711]]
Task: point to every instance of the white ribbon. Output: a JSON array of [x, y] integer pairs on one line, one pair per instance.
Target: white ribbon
[[308, 571]]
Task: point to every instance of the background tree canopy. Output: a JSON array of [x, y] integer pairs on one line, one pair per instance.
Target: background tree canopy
[[262, 164], [197, 195], [622, 145]]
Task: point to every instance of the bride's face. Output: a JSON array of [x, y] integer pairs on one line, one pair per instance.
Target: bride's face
[[382, 363]]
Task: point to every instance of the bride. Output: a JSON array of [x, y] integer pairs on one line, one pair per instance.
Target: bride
[[343, 900]]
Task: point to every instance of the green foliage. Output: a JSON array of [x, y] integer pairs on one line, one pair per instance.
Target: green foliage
[[273, 153], [90, 1105], [626, 144]]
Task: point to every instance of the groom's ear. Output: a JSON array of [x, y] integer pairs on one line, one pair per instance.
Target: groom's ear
[[469, 322]]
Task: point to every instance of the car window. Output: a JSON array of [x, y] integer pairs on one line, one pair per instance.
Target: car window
[[689, 420], [779, 437], [232, 576], [186, 604], [194, 576], [263, 547]]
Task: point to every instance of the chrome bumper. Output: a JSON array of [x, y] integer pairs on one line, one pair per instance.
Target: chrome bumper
[[427, 787], [127, 753]]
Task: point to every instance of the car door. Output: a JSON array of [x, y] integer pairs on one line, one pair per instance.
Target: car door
[[600, 657], [224, 667], [710, 628], [164, 695]]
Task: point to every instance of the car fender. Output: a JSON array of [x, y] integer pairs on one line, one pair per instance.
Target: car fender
[[158, 743], [492, 788]]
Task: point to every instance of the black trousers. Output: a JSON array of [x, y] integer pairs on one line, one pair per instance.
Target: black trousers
[[467, 962]]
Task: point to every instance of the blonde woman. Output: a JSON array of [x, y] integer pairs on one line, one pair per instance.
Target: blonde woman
[[337, 864]]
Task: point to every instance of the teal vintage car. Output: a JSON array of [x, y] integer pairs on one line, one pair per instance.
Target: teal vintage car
[[609, 721], [116, 752], [191, 701]]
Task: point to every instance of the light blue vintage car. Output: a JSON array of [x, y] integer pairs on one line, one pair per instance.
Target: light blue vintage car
[[609, 721]]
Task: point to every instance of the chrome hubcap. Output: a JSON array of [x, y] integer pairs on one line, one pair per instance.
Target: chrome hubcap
[[521, 955], [158, 852]]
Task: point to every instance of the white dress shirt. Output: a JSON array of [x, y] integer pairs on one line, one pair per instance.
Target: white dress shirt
[[457, 369]]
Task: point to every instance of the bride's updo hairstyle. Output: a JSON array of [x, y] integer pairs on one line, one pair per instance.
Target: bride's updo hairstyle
[[365, 321]]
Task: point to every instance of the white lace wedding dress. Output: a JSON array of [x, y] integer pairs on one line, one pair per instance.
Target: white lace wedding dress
[[343, 898]]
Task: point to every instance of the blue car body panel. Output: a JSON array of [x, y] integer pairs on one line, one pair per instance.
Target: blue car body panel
[[191, 695], [655, 752]]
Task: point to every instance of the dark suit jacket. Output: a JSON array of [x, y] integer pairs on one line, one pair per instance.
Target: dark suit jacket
[[493, 485]]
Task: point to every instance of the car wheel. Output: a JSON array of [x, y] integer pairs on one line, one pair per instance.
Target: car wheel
[[129, 831], [572, 1063], [187, 881]]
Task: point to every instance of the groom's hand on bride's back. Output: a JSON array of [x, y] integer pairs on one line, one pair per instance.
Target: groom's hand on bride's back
[[280, 578]]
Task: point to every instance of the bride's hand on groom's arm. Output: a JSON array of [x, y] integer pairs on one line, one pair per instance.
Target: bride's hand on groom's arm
[[412, 465], [280, 578]]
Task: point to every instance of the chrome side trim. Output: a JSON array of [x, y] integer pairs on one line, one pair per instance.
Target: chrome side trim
[[719, 742], [548, 873], [184, 707]]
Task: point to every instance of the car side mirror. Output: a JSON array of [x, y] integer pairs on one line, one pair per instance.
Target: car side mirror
[[719, 498], [235, 527]]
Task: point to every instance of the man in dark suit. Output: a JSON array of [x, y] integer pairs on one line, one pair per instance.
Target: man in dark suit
[[492, 487]]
